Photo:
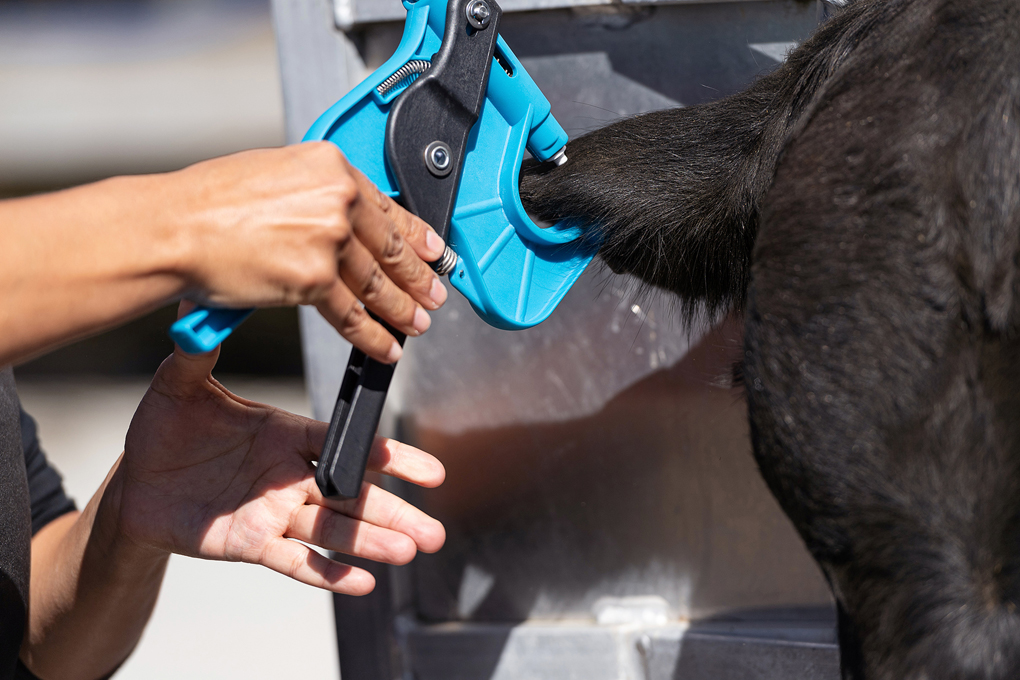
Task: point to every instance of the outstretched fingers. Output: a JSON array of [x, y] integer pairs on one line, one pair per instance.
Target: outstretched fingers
[[374, 506], [385, 510], [405, 462], [303, 564], [331, 530], [387, 456]]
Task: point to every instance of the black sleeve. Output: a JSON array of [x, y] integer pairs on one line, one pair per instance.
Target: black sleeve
[[45, 488], [22, 673]]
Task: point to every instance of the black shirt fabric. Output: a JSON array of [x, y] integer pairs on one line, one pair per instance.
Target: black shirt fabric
[[15, 528], [31, 495], [45, 487]]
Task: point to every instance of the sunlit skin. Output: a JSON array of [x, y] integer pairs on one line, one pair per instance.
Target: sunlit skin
[[270, 227], [208, 474]]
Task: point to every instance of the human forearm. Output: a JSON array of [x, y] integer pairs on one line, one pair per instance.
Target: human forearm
[[92, 591], [81, 260], [269, 227]]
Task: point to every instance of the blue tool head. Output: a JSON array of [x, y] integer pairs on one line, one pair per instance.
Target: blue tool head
[[513, 272]]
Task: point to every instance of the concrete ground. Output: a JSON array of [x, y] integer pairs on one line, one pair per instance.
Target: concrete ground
[[213, 620]]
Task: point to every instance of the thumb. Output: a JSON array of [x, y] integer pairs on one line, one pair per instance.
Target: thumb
[[182, 373]]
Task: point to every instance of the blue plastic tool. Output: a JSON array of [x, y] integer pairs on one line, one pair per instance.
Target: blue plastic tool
[[513, 272], [205, 328]]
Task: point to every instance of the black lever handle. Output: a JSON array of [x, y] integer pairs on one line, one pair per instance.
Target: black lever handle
[[426, 138], [354, 423]]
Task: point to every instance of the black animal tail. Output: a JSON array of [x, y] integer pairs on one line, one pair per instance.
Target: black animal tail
[[674, 195]]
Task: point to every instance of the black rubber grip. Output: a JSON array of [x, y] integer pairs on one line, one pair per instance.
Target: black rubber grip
[[353, 425]]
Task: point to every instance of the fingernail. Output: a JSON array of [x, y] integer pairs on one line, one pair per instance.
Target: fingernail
[[438, 292], [422, 320], [434, 243], [396, 351]]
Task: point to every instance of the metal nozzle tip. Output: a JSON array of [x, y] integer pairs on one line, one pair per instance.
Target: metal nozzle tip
[[560, 158]]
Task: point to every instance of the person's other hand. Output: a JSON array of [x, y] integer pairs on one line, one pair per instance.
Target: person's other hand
[[208, 474], [300, 225]]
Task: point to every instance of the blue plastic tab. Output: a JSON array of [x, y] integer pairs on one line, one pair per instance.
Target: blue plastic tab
[[205, 328]]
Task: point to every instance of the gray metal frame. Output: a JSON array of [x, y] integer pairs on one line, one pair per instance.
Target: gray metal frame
[[605, 518]]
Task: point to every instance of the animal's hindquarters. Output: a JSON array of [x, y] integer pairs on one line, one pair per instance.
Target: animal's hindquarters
[[881, 361]]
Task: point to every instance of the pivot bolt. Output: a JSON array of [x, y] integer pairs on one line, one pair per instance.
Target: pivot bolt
[[438, 159], [478, 14]]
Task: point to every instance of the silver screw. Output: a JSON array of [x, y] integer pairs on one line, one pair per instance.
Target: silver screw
[[438, 159], [478, 14]]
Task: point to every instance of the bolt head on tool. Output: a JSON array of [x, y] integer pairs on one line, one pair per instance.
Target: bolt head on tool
[[438, 159], [478, 14]]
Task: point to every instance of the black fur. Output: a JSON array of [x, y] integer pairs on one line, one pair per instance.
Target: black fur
[[861, 205]]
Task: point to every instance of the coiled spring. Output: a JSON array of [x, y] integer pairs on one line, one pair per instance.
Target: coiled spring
[[446, 263], [405, 75]]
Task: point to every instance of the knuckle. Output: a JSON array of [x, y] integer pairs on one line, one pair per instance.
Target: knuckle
[[399, 515], [374, 283], [415, 226], [323, 158], [359, 543], [423, 278], [335, 573], [416, 278], [352, 317], [260, 556], [346, 191], [341, 234], [384, 202], [294, 568], [314, 278], [387, 204], [329, 529], [393, 247], [328, 152], [402, 550]]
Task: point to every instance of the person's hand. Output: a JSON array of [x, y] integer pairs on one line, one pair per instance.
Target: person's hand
[[208, 474], [300, 225]]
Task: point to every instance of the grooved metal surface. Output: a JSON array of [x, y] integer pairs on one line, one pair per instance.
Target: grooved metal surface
[[755, 649], [350, 13]]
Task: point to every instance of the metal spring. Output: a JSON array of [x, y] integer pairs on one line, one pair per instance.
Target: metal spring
[[408, 71], [446, 263]]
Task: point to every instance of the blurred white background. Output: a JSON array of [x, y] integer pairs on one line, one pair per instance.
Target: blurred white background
[[91, 89]]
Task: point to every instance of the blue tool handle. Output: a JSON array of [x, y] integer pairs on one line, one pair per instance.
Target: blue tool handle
[[205, 328]]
